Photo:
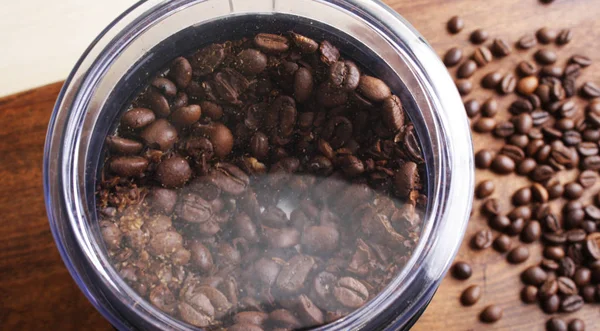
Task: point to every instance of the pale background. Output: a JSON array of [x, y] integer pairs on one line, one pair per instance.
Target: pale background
[[40, 40]]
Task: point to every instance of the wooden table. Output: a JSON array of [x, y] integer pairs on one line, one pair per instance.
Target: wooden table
[[37, 292]]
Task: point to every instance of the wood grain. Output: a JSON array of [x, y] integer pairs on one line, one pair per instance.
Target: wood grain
[[37, 292]]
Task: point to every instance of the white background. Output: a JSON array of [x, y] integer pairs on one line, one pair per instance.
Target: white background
[[40, 40]]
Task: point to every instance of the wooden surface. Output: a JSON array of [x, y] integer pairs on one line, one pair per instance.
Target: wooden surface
[[37, 292]]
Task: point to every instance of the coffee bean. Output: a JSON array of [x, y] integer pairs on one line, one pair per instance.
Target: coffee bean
[[566, 286], [373, 88], [520, 106], [455, 24], [293, 274], [137, 118], [527, 85], [523, 123], [305, 44], [550, 305], [464, 86], [461, 270], [128, 166], [271, 43], [484, 125], [527, 68], [571, 303], [546, 35], [470, 295], [502, 243], [522, 196], [482, 56], [186, 115], [492, 80], [453, 56], [526, 166], [545, 56], [532, 232], [515, 227], [393, 113], [508, 84], [251, 62], [180, 72], [500, 47], [591, 163], [491, 314], [576, 325], [503, 164], [554, 252], [518, 255], [548, 289], [566, 267], [556, 324], [581, 60], [483, 159], [573, 191], [527, 42], [519, 140], [123, 146], [467, 69], [541, 173], [534, 276], [490, 207], [499, 222], [529, 294], [552, 71], [350, 293], [564, 37], [479, 36], [173, 172], [587, 148], [303, 84], [590, 90], [482, 239], [592, 246], [582, 277]]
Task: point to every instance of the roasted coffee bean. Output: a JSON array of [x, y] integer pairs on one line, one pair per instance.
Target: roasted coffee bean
[[527, 68], [455, 24], [500, 47], [545, 56], [564, 37], [345, 75], [556, 324], [526, 166], [552, 71], [293, 275], [546, 35], [482, 56], [508, 84], [499, 222], [519, 140], [180, 72], [490, 207], [123, 146], [271, 43], [571, 303], [548, 289], [522, 196], [534, 276], [350, 293], [527, 85], [186, 115], [591, 162], [393, 113], [482, 239], [137, 118], [464, 86], [461, 270], [523, 123], [587, 148], [453, 57], [566, 267], [518, 255], [502, 243], [529, 294], [582, 277], [173, 172], [576, 325], [283, 318], [503, 164], [467, 69], [573, 191], [492, 80], [550, 305], [554, 252], [303, 84], [532, 232], [520, 106], [165, 86], [515, 227], [472, 108], [590, 90], [128, 166], [479, 36], [373, 88], [541, 173], [259, 146], [484, 125], [305, 44], [588, 293], [483, 159], [527, 42], [491, 314], [470, 295], [489, 108], [581, 60]]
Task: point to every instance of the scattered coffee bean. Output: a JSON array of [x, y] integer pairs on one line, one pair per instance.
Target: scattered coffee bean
[[502, 243], [508, 84], [590, 90], [545, 56], [546, 35], [527, 85], [479, 36], [483, 159], [492, 80], [489, 108], [464, 86], [503, 164], [453, 56], [461, 270], [455, 24], [518, 255], [527, 42], [472, 108], [484, 125], [500, 47], [534, 276], [482, 56], [482, 239], [556, 324], [576, 325], [471, 295], [564, 37], [491, 314], [467, 69], [529, 294]]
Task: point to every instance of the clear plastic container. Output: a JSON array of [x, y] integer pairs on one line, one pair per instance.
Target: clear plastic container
[[146, 37]]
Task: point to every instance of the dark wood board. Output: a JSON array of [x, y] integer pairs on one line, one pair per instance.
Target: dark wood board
[[37, 292]]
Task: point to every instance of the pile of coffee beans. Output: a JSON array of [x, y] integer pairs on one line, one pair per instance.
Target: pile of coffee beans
[[267, 183], [547, 134]]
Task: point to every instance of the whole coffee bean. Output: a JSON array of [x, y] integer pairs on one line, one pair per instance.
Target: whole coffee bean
[[467, 69], [527, 85], [532, 232], [293, 275], [550, 305], [173, 172], [470, 295], [350, 293], [500, 47], [523, 123], [539, 193], [160, 134], [499, 222], [571, 303], [591, 135], [180, 72], [534, 276], [523, 212], [589, 226], [491, 314], [483, 159], [576, 325], [344, 75], [157, 102], [526, 166], [503, 164], [128, 166], [573, 191], [566, 286], [546, 35], [555, 253], [527, 68], [393, 113], [529, 294], [591, 163], [492, 80], [522, 196], [472, 108], [165, 86], [548, 289], [556, 324], [305, 44], [186, 115], [566, 267], [259, 146], [490, 207], [484, 125], [527, 42], [564, 37], [555, 191], [482, 56], [479, 36], [453, 56], [123, 146], [461, 270], [320, 239], [542, 173], [489, 108], [284, 319], [464, 86], [502, 243], [373, 88], [518, 255], [251, 62], [587, 148], [137, 118], [482, 239], [581, 60], [519, 140], [303, 84], [515, 227], [455, 24], [508, 84], [271, 43], [520, 106], [545, 56], [590, 90], [588, 293]]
